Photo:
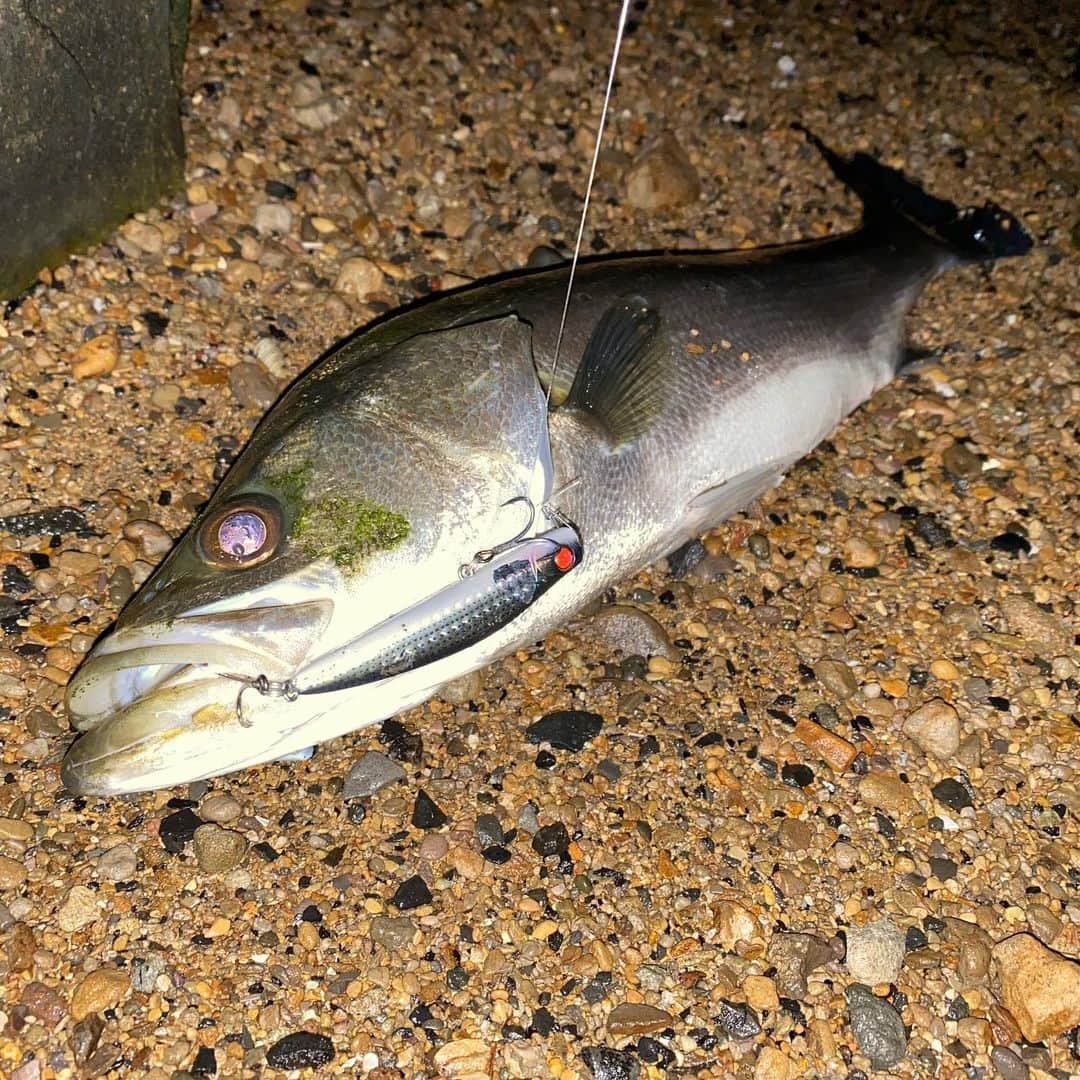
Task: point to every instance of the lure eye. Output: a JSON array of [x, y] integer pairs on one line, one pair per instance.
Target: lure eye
[[564, 559], [242, 533]]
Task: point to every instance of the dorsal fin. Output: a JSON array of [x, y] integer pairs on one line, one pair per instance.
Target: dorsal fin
[[616, 382]]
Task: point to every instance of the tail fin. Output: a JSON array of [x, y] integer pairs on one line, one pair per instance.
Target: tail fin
[[970, 233]]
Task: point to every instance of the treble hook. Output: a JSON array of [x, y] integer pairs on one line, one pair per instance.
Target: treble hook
[[485, 555], [265, 686]]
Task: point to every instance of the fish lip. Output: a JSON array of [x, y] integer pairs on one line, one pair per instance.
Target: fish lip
[[133, 663]]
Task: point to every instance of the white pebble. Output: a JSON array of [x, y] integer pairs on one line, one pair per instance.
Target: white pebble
[[786, 65]]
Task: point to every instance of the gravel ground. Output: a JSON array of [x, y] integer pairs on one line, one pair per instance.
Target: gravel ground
[[829, 828]]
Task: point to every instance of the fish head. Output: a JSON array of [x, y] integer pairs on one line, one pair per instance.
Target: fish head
[[347, 508]]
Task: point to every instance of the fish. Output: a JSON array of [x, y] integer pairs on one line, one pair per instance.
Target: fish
[[432, 495]]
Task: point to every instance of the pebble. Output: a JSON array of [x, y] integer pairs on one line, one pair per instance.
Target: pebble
[[426, 814], [463, 690], [860, 553], [220, 809], [411, 893], [773, 1064], [176, 830], [629, 631], [565, 729], [875, 952], [252, 385], [150, 536], [878, 1029], [551, 840], [300, 1050], [433, 847], [832, 748], [118, 863], [633, 1018], [795, 956], [952, 793], [761, 993], [737, 1020], [44, 1003], [1008, 1065], [1045, 925], [359, 277], [79, 909], [489, 830], [271, 218], [393, 933], [95, 357], [146, 237], [373, 772], [607, 1064], [961, 462], [837, 678], [1030, 622], [662, 176], [935, 729], [100, 990], [218, 850], [1039, 987], [12, 873], [886, 791]]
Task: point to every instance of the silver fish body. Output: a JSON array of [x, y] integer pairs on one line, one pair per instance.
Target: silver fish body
[[688, 385]]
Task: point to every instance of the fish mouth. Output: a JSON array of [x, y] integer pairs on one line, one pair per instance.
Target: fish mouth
[[159, 700]]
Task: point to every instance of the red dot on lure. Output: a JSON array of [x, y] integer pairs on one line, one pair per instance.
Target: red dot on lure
[[564, 558]]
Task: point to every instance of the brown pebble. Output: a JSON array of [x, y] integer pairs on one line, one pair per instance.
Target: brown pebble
[[832, 748], [631, 1018], [98, 991], [836, 677], [1039, 987], [886, 791], [98, 356]]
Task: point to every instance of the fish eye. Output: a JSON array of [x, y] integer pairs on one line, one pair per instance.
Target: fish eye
[[243, 532]]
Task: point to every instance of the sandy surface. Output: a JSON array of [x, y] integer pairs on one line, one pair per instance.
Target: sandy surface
[[910, 587]]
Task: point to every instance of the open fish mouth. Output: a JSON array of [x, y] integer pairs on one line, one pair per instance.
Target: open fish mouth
[[159, 700]]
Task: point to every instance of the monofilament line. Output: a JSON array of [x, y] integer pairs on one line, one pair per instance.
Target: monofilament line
[[623, 14]]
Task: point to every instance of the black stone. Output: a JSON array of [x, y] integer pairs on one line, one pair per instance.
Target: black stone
[[551, 840], [401, 744], [357, 811], [653, 1052], [496, 853], [14, 581], [279, 189], [738, 1021], [205, 1063], [952, 793], [878, 1029], [266, 851], [300, 1050], [607, 1064], [931, 531], [958, 1009], [489, 830], [682, 561], [543, 1023], [457, 978], [914, 939], [156, 325], [411, 893], [426, 814], [797, 774], [885, 824], [565, 729], [942, 868], [1012, 544], [177, 829], [545, 759], [54, 521]]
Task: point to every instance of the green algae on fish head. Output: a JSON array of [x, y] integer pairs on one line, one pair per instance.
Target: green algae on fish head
[[346, 530], [290, 484]]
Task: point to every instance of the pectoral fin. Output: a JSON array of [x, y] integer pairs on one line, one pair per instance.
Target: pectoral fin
[[618, 382]]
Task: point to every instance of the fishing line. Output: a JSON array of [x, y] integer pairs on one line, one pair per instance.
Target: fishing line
[[623, 15]]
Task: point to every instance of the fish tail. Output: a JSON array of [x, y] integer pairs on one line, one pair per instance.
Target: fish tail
[[969, 233]]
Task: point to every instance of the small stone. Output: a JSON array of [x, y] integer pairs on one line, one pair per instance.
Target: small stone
[[836, 677], [1039, 987], [551, 840], [373, 772], [393, 933], [300, 1050], [795, 835], [252, 386], [98, 356], [218, 850], [44, 1003], [795, 956], [761, 993], [1008, 1065], [272, 218], [463, 690], [877, 1027], [629, 631], [773, 1064], [662, 176], [952, 793], [944, 869], [834, 749], [875, 952], [886, 791], [146, 237], [150, 536], [119, 863], [860, 553], [177, 829], [1027, 620], [433, 847], [205, 1063], [85, 1036], [786, 64], [631, 1018], [1045, 925], [98, 991], [220, 809], [426, 814], [489, 830], [467, 1059], [684, 559], [565, 729], [79, 909], [737, 1020], [12, 873], [1012, 544], [607, 1064], [945, 670], [411, 893], [359, 277], [759, 546], [935, 729]]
